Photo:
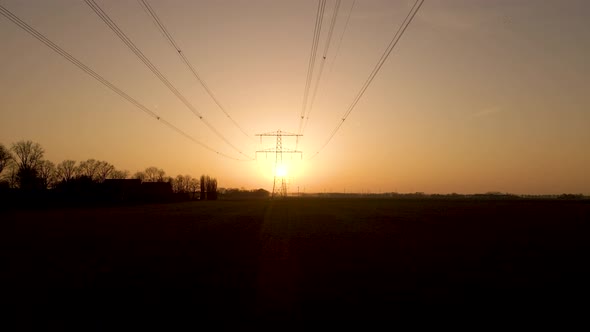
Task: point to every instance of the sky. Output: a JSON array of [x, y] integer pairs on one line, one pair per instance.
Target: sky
[[477, 96]]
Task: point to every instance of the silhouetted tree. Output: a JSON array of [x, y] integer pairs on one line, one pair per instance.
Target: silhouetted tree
[[212, 189], [5, 157], [243, 193], [47, 174], [179, 184], [139, 175], [89, 168], [203, 183], [193, 186], [208, 187], [29, 156], [570, 196], [104, 171], [154, 174], [119, 174], [66, 171], [185, 184]]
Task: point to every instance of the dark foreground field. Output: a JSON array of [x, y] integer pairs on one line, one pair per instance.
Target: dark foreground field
[[295, 259]]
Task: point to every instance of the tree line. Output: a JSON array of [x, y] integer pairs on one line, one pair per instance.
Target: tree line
[[23, 168]]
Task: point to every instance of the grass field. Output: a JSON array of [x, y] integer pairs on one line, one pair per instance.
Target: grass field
[[296, 259]]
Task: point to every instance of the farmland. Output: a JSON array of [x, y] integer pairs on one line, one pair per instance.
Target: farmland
[[296, 259]]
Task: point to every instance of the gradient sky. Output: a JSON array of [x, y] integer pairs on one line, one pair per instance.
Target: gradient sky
[[478, 96]]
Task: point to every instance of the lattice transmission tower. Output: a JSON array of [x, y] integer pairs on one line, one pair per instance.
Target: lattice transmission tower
[[279, 187]]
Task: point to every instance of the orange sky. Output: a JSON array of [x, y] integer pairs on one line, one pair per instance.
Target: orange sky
[[477, 96]]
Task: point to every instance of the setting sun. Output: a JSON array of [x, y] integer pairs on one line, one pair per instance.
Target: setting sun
[[281, 170]]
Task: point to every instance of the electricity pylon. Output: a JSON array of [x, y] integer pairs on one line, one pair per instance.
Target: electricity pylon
[[279, 187]]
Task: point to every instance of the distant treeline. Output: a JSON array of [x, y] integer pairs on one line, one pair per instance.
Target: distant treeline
[[421, 195], [234, 193], [25, 177]]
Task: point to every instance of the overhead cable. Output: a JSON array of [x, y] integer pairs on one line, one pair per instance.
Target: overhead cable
[[342, 36], [312, 56], [39, 36], [164, 31], [127, 41], [402, 28], [323, 61]]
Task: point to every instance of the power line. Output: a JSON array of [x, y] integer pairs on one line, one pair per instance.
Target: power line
[[415, 8], [325, 53], [342, 36], [39, 36], [160, 25], [127, 41], [314, 47]]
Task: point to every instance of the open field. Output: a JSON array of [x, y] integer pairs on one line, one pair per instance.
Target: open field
[[296, 259]]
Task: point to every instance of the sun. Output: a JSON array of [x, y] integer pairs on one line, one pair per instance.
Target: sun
[[281, 170]]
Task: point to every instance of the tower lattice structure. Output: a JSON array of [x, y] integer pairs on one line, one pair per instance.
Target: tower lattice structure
[[279, 187]]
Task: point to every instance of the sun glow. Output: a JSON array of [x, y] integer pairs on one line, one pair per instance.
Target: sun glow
[[281, 170], [290, 170]]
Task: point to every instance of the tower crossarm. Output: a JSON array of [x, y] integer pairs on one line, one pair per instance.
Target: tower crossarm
[[278, 133], [273, 150]]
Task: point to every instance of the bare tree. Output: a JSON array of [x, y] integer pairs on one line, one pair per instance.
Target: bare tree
[[5, 157], [28, 158], [66, 170], [154, 174], [90, 168], [193, 187], [161, 176], [47, 174], [151, 174], [119, 174], [104, 170], [185, 184], [178, 184], [28, 154], [140, 175]]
